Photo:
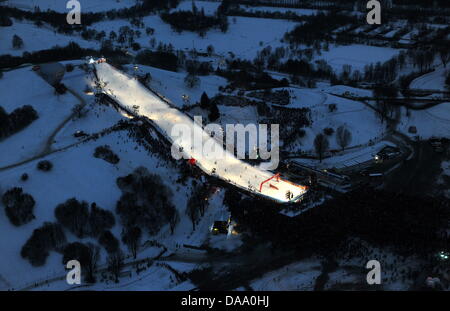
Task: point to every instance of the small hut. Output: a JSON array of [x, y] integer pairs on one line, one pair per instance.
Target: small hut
[[52, 72]]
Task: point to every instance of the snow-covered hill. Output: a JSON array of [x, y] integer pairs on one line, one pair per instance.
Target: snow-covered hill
[[129, 92]]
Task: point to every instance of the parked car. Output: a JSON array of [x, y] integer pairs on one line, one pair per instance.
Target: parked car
[[79, 134], [435, 142], [387, 153]]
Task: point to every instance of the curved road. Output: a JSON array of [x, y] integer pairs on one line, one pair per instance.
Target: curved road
[[47, 149], [416, 176]]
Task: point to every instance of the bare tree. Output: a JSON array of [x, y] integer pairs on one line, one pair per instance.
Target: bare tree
[[17, 42], [115, 264], [445, 56], [171, 214], [382, 95], [210, 49], [321, 145], [131, 237], [191, 81], [93, 258], [383, 109], [79, 111], [194, 207], [343, 136]]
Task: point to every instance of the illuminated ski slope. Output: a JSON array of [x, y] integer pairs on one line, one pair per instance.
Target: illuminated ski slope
[[128, 92]]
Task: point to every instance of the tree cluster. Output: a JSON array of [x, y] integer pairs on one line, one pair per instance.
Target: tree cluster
[[50, 236], [251, 80], [16, 120], [105, 153], [321, 145], [145, 201], [163, 60], [70, 51], [76, 217], [197, 203], [195, 20], [19, 206], [44, 166]]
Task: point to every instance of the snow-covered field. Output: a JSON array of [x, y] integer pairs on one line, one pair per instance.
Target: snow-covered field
[[172, 86], [434, 121], [298, 276], [243, 38], [76, 173], [128, 92], [347, 90], [349, 275], [349, 114], [52, 110], [35, 39], [356, 55], [305, 98]]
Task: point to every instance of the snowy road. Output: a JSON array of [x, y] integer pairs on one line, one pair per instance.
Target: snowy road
[[128, 92], [434, 80]]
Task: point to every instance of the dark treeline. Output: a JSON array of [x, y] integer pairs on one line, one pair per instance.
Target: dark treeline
[[304, 68], [16, 120], [318, 28], [251, 80], [5, 21], [159, 59], [69, 52], [48, 237], [381, 218], [436, 4], [58, 20], [82, 221], [342, 4], [195, 20], [244, 72]]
